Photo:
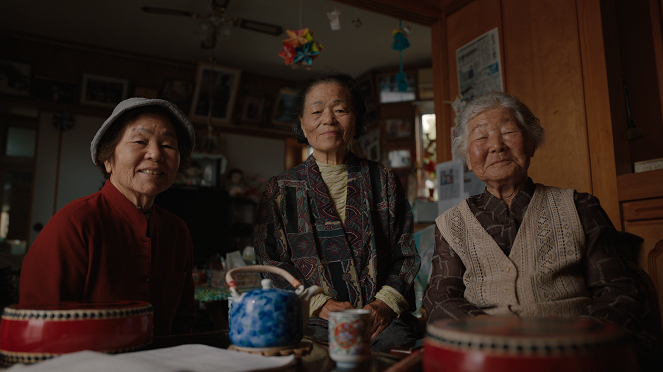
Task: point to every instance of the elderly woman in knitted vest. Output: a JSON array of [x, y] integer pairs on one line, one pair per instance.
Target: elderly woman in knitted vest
[[525, 249]]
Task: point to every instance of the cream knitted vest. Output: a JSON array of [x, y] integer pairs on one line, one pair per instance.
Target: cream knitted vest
[[542, 274]]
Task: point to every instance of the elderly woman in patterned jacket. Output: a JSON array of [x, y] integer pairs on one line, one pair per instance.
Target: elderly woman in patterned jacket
[[525, 249], [341, 222]]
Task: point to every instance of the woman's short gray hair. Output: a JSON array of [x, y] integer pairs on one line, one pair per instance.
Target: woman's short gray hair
[[529, 124]]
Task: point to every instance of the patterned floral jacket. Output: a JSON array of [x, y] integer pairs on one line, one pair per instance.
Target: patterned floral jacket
[[298, 229]]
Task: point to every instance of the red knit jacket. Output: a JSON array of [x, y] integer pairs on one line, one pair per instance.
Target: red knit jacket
[[98, 248]]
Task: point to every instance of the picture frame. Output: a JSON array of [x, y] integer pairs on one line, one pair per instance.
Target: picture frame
[[284, 107], [15, 78], [215, 92], [104, 91], [179, 92], [252, 109], [388, 88], [54, 90], [398, 128], [205, 171]]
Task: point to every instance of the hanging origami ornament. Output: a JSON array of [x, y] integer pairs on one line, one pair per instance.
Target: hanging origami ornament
[[334, 19], [357, 22], [399, 43], [300, 48]]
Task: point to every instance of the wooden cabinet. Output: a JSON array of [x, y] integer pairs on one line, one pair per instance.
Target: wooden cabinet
[[641, 201]]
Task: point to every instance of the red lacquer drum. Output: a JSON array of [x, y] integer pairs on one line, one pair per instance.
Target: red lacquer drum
[[31, 333], [515, 344]]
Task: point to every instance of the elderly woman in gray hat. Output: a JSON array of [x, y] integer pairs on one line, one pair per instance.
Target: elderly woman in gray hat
[[116, 244], [525, 249]]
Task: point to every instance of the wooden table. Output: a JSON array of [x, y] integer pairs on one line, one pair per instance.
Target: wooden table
[[317, 361]]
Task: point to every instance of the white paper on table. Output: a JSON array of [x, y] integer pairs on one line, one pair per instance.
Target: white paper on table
[[190, 358]]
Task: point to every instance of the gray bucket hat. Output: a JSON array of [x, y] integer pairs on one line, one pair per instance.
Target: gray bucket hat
[[133, 103]]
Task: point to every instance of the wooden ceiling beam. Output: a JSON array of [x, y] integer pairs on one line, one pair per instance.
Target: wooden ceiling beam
[[424, 12]]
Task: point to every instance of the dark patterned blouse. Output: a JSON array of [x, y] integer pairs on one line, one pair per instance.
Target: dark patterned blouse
[[297, 228], [616, 289]]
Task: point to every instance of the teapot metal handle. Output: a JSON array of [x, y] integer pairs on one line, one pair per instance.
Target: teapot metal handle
[[232, 286]]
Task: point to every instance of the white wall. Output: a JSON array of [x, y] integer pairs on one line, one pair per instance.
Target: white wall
[[76, 176]]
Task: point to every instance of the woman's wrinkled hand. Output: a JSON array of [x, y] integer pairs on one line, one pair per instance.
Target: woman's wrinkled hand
[[381, 314], [332, 305]]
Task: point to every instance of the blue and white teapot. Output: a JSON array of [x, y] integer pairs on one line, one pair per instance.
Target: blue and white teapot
[[268, 317]]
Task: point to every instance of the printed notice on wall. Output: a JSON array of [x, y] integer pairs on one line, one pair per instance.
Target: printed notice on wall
[[479, 66]]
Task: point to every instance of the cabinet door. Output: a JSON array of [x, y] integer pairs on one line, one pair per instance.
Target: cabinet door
[[645, 219]]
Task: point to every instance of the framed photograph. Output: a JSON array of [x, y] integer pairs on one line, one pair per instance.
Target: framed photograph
[[103, 90], [54, 90], [216, 89], [178, 92], [389, 91], [253, 108], [284, 107], [15, 78], [205, 170], [398, 128]]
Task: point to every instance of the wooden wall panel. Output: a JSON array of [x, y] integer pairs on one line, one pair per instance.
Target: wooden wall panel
[[597, 105], [443, 111], [543, 68]]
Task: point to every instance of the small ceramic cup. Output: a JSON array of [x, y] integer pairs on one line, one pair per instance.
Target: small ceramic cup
[[350, 337]]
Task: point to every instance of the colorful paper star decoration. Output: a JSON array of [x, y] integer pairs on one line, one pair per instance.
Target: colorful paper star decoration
[[300, 49]]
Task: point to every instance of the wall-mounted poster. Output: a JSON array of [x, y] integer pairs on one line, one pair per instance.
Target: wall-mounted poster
[[216, 89], [450, 184], [479, 66]]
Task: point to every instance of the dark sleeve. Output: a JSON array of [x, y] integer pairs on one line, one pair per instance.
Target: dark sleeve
[[405, 260], [616, 289], [270, 237], [185, 316], [444, 297]]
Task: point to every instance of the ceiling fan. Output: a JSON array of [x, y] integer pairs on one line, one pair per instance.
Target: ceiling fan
[[214, 19]]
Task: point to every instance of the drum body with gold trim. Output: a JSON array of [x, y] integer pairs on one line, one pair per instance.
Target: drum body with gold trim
[[526, 344], [31, 333]]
